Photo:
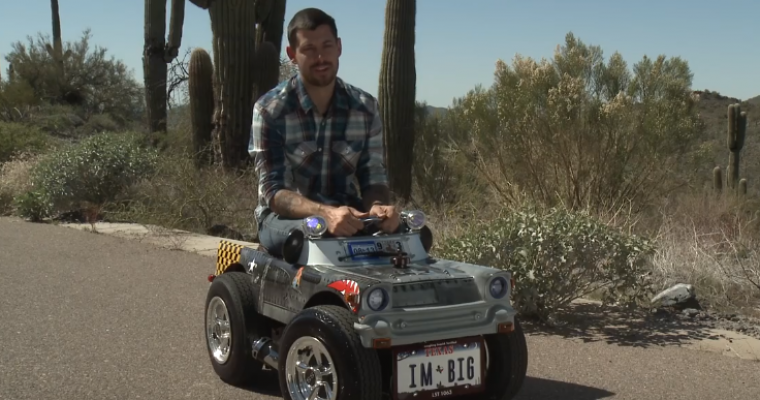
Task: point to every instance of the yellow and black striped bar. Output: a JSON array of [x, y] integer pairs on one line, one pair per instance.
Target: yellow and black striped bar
[[228, 253]]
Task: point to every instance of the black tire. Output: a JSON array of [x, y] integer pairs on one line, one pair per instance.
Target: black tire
[[508, 365], [357, 367], [246, 325]]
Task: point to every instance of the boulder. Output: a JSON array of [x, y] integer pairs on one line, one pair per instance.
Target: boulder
[[681, 295]]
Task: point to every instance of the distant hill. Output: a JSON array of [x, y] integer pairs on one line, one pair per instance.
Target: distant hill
[[713, 109], [435, 111]]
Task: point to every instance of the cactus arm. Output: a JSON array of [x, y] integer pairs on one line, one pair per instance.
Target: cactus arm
[[735, 136], [271, 29], [262, 10], [175, 30], [200, 86], [717, 179], [266, 70]]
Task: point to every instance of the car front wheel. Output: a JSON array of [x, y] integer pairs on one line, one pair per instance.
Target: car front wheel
[[322, 358], [507, 365]]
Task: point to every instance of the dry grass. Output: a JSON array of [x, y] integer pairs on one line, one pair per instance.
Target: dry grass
[[14, 180], [710, 241], [181, 196], [713, 243]]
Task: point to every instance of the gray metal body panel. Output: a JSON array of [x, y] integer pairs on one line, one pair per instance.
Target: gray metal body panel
[[431, 299]]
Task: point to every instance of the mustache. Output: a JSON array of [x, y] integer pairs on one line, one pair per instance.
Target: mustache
[[322, 64]]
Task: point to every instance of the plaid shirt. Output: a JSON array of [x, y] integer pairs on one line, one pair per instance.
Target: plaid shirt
[[319, 157]]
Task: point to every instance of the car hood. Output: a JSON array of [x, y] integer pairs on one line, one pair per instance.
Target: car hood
[[415, 272]]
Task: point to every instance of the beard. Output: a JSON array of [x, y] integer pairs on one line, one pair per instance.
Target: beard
[[320, 78]]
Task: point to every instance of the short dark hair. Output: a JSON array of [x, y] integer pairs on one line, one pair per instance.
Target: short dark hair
[[309, 19]]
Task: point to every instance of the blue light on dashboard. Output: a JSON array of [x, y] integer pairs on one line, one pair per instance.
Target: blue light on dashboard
[[314, 226], [414, 219]]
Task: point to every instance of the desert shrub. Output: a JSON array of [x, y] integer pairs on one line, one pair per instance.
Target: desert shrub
[[17, 138], [578, 132], [89, 173], [443, 181], [17, 100], [556, 258], [89, 80], [179, 195], [14, 180]]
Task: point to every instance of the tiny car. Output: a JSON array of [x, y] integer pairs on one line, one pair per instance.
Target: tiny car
[[365, 317]]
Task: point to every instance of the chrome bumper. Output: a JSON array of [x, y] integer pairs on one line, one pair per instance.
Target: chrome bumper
[[416, 325]]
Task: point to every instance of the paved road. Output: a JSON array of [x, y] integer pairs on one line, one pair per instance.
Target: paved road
[[87, 316]]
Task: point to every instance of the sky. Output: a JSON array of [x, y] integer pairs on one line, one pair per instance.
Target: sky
[[458, 42]]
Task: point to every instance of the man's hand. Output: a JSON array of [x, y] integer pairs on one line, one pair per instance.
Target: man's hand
[[343, 221], [390, 216]]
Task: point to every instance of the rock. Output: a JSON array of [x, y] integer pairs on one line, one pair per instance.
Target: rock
[[690, 312], [682, 295], [224, 231]]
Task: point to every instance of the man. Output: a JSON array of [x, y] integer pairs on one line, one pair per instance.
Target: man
[[312, 136]]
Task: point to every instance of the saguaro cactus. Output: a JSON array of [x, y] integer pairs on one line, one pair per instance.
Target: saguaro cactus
[[201, 88], [397, 93], [156, 54], [717, 179], [56, 51], [234, 29], [737, 127], [267, 69], [743, 186]]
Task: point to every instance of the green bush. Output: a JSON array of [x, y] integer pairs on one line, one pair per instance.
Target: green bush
[[16, 138], [556, 258], [90, 80], [92, 172]]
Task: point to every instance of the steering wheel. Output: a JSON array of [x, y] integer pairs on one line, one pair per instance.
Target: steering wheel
[[370, 225]]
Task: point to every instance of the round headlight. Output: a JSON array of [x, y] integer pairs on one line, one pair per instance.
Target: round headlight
[[498, 287], [414, 219], [377, 299], [314, 226]]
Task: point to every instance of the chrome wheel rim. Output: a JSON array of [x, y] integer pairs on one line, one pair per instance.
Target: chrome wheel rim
[[218, 331], [310, 371]]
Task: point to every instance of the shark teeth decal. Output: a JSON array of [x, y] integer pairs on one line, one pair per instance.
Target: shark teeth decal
[[350, 291]]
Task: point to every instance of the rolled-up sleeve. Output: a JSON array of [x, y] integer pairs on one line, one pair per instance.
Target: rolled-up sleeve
[[266, 148], [371, 169]]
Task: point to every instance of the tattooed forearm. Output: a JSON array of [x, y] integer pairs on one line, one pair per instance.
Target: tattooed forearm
[[376, 194], [290, 204]]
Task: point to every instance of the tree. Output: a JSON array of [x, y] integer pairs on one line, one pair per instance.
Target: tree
[[580, 132]]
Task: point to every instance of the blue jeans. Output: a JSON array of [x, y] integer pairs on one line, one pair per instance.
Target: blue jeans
[[274, 229]]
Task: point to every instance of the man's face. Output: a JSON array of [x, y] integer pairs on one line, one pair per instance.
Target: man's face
[[316, 55]]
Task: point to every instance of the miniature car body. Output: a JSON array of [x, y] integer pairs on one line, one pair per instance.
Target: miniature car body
[[352, 318]]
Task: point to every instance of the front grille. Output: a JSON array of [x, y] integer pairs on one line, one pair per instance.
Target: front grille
[[440, 292]]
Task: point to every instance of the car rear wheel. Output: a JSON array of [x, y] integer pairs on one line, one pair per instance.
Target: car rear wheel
[[231, 326]]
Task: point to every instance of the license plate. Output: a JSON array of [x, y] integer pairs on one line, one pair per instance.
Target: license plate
[[439, 370], [360, 249]]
